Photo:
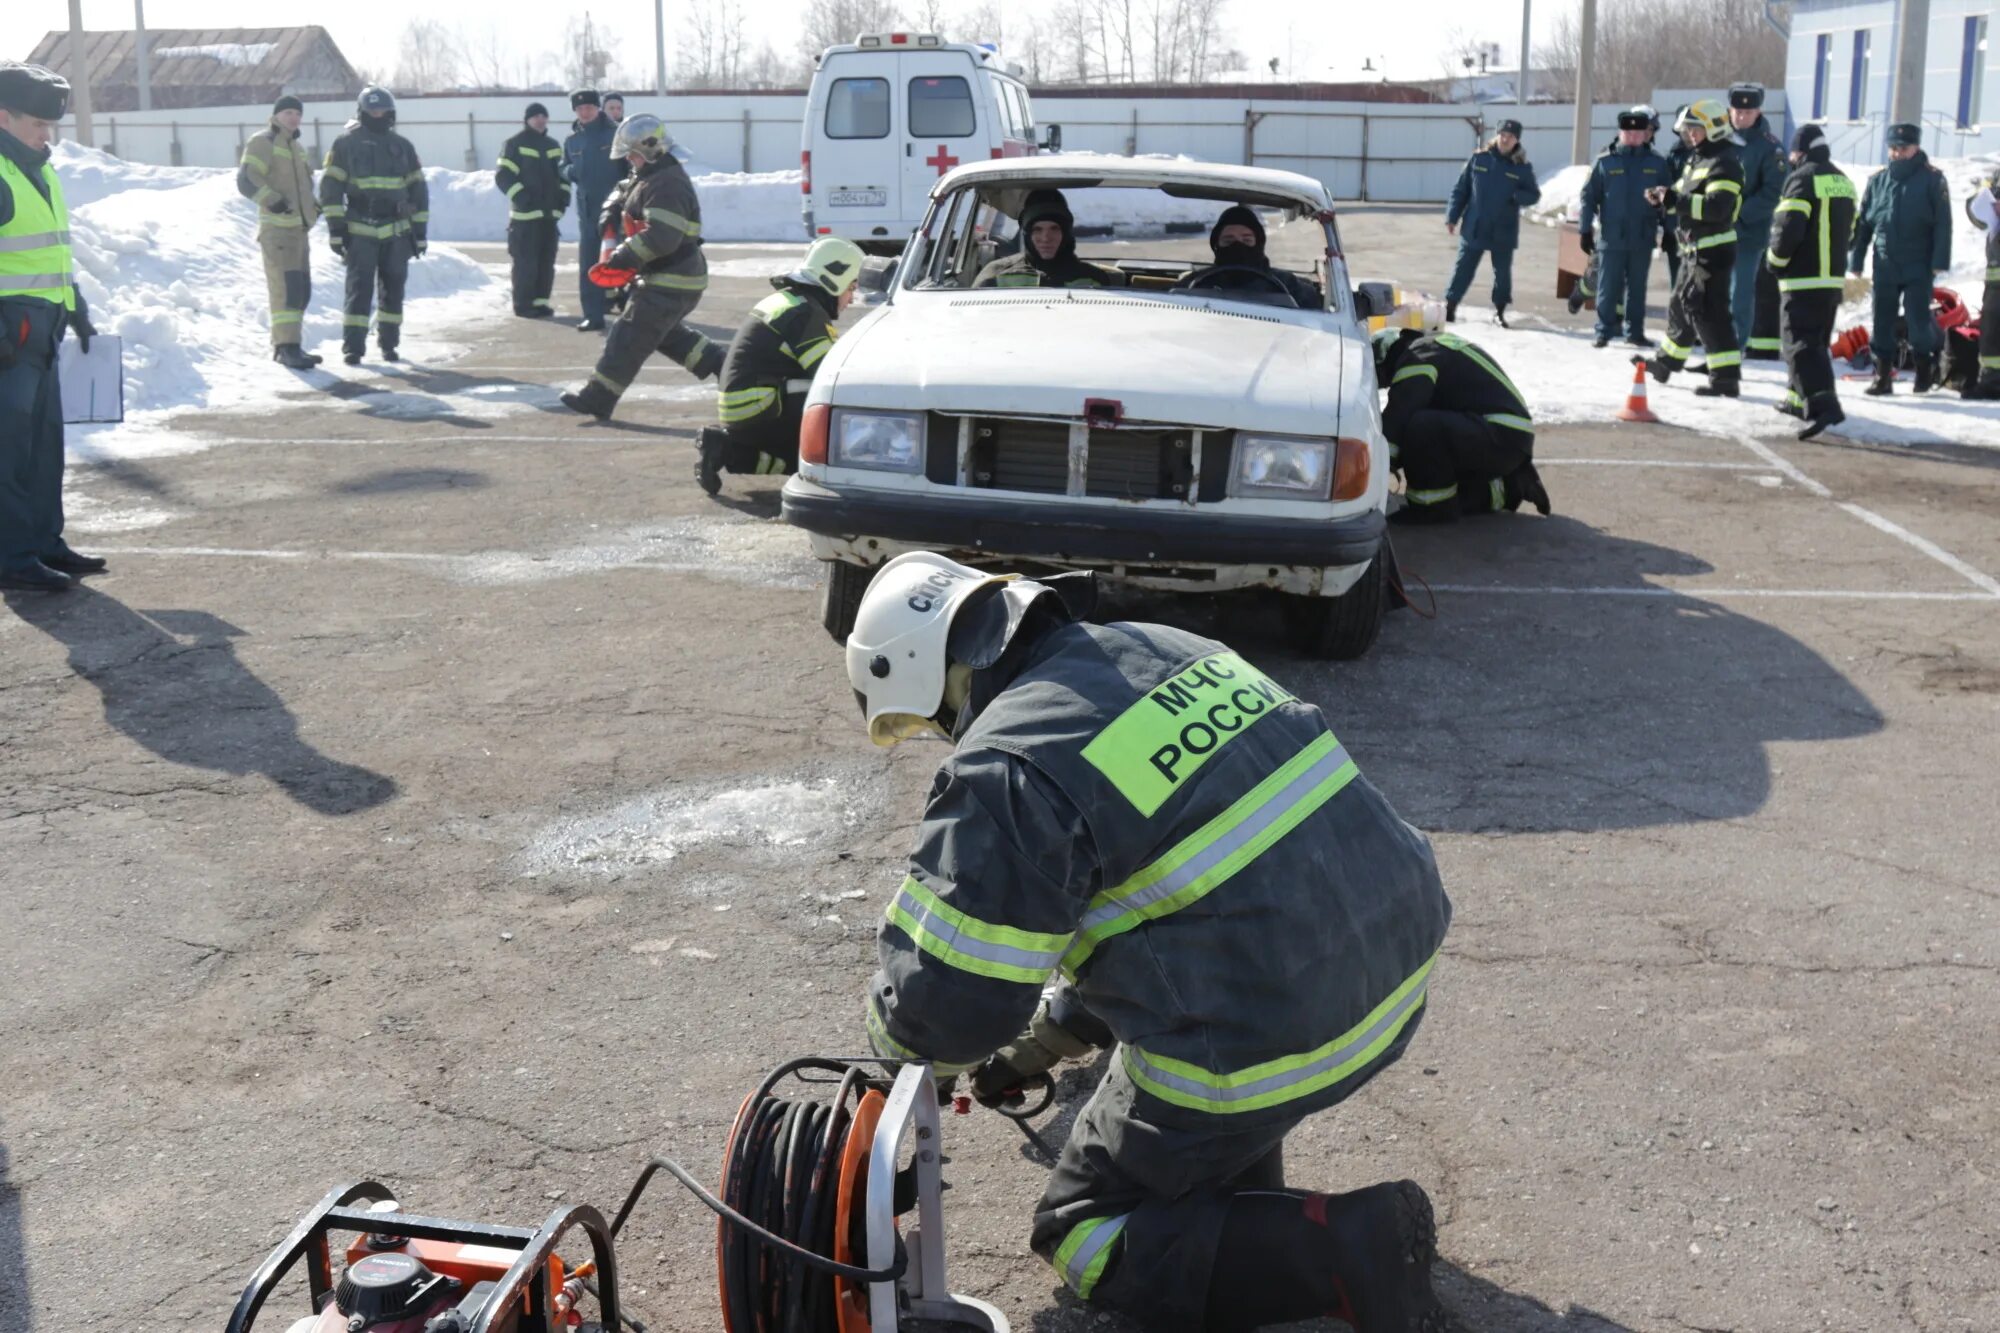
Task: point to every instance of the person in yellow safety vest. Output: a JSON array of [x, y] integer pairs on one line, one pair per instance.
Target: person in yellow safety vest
[[39, 303], [276, 175], [530, 175], [1113, 853], [771, 364], [378, 219], [1703, 203], [1809, 236]]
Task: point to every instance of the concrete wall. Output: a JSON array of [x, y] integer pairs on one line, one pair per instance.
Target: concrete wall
[[1860, 139], [1373, 150]]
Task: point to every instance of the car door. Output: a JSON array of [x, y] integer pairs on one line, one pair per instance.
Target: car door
[[943, 124], [857, 166]]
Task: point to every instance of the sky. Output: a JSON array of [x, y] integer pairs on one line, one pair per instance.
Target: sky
[[1314, 39]]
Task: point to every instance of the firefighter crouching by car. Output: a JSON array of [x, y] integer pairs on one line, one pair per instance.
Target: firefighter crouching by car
[[1983, 209], [529, 173], [276, 175], [1703, 202], [661, 259], [1809, 237], [1127, 812], [378, 218], [1905, 219], [1458, 429], [1048, 251], [771, 364]]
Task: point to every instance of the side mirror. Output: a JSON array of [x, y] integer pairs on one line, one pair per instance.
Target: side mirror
[[1374, 298], [1052, 144], [878, 274]]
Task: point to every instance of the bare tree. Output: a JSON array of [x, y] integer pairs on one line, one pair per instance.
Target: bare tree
[[831, 22], [1648, 44], [586, 58], [428, 59], [491, 62], [710, 41]]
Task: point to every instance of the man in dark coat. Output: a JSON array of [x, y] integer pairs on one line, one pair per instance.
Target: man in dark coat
[[1762, 158], [1485, 214], [588, 165], [1905, 221], [1614, 198], [1048, 251], [530, 175]]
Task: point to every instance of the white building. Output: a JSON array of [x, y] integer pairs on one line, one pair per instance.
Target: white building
[[1843, 56]]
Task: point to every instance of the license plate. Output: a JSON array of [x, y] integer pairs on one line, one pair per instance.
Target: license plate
[[858, 199]]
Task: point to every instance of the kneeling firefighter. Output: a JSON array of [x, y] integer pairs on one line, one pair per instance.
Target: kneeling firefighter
[[1458, 429], [1126, 818], [771, 364], [661, 259]]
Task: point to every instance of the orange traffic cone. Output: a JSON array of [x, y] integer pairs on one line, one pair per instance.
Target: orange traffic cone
[[1635, 408]]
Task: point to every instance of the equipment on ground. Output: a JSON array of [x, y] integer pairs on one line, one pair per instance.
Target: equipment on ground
[[807, 1241], [1635, 408]]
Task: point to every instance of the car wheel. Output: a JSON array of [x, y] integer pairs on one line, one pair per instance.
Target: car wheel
[[1342, 628], [840, 597]]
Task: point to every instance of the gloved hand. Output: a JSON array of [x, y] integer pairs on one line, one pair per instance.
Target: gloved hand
[[422, 241], [604, 275], [1588, 240], [278, 206], [80, 325], [1035, 1052], [336, 237]]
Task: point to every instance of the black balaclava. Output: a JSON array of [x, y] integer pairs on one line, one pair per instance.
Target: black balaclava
[[1810, 143], [1249, 256], [1047, 206]]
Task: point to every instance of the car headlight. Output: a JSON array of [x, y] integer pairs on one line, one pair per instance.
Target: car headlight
[[884, 441], [1280, 467]]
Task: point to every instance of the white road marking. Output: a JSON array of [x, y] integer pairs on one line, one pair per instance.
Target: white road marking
[[1649, 462], [1770, 456], [1703, 593]]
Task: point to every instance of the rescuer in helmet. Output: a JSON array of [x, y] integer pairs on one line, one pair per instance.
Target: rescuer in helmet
[[377, 210], [1703, 202]]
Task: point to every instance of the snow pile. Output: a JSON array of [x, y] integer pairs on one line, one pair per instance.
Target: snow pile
[[1561, 196], [89, 175], [660, 827], [468, 206], [225, 53], [170, 263]]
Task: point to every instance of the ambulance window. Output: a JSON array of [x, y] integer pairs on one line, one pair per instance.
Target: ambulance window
[[858, 109], [1012, 106], [941, 108]]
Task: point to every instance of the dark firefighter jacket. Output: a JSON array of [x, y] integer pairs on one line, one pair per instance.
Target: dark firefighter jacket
[[666, 250], [529, 173], [1812, 227], [275, 171], [1489, 197], [1615, 198], [1445, 373], [1706, 197], [1762, 158], [588, 165], [373, 185], [1143, 811], [778, 348], [1905, 218]]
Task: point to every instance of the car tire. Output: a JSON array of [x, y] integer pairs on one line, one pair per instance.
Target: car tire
[[1343, 628], [840, 597]]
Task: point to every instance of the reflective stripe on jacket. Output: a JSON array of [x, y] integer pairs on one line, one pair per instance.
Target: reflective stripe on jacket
[[529, 173], [275, 168], [373, 185], [1143, 811], [782, 343], [1811, 228], [35, 258], [1708, 196], [1447, 373], [666, 247]]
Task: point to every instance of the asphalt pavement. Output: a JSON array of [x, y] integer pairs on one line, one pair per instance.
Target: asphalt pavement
[[439, 788]]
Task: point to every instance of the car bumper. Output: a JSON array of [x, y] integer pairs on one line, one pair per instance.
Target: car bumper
[[1059, 533]]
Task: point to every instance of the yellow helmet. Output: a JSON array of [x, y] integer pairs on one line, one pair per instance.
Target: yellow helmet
[[1708, 114]]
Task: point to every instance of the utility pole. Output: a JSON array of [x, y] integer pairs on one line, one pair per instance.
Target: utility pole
[[1521, 80], [144, 56], [79, 77], [660, 45], [1586, 56], [1906, 89]]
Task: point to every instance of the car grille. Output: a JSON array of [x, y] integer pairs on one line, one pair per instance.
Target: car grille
[[1009, 454]]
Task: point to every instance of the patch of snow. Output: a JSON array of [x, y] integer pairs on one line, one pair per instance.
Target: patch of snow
[[657, 828], [226, 53], [733, 547]]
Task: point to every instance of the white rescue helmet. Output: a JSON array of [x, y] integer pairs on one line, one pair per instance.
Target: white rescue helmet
[[832, 264], [897, 655], [642, 134]]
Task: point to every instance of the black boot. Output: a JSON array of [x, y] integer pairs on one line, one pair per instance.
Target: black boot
[[1823, 411], [1451, 312], [1927, 374], [1364, 1258], [1984, 385], [389, 352], [352, 358], [711, 361], [592, 400], [1722, 384], [1500, 315], [1660, 368], [292, 357], [1576, 299], [1600, 341], [1885, 381], [711, 448], [1524, 484]]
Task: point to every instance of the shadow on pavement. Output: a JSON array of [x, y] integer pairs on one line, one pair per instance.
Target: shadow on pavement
[[171, 681], [14, 1307], [397, 481]]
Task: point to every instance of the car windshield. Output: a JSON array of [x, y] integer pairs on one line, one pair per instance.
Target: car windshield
[[1139, 237]]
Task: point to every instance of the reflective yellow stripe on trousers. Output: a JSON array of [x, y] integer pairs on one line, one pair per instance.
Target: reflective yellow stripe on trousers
[[1081, 1258]]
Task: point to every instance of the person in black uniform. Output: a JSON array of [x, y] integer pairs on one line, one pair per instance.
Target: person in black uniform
[[1237, 242], [377, 210], [1703, 203], [1983, 209], [771, 365], [1809, 237], [1048, 251], [530, 175], [1458, 429]]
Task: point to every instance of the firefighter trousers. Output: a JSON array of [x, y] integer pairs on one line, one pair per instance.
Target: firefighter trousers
[[532, 247], [1468, 265], [1807, 320], [288, 278], [652, 321], [1766, 341], [1445, 450], [1699, 312], [1989, 341], [31, 432], [1134, 1211], [371, 263], [768, 444]]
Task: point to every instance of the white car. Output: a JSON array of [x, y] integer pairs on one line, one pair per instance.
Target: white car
[[1163, 432]]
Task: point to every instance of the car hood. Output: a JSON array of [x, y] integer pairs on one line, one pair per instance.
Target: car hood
[[1222, 365]]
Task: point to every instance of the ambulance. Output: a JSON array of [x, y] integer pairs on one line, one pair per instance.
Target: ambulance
[[889, 115]]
